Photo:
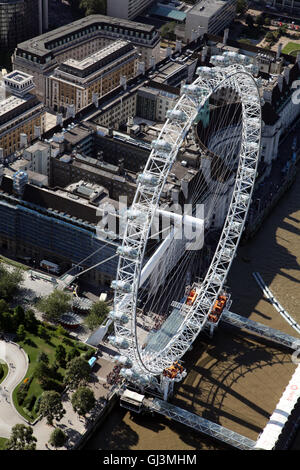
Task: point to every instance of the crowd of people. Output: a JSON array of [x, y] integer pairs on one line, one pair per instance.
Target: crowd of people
[[114, 377]]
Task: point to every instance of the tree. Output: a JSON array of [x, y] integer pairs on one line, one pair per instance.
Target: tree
[[61, 331], [42, 357], [93, 7], [21, 438], [260, 19], [60, 354], [55, 305], [9, 282], [83, 400], [6, 322], [167, 30], [269, 37], [78, 371], [21, 333], [19, 315], [72, 353], [31, 322], [42, 372], [51, 406], [97, 315], [241, 6], [249, 21], [43, 333], [3, 306], [58, 438]]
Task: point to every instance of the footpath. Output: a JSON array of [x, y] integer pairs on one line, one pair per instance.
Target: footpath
[[72, 424]]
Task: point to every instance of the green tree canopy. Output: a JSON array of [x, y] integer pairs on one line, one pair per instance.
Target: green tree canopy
[[42, 372], [260, 19], [249, 21], [78, 372], [55, 305], [21, 438], [3, 306], [51, 406], [31, 322], [58, 438], [168, 30], [83, 400], [241, 6], [42, 357], [97, 315], [269, 37], [9, 282], [93, 7], [72, 353], [60, 354], [21, 333]]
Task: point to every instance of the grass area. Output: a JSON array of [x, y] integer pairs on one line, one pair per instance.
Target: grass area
[[34, 345], [2, 443], [291, 48], [5, 368], [5, 260]]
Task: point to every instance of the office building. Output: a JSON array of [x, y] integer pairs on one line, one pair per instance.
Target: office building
[[77, 83], [22, 115], [209, 16], [128, 9], [41, 55], [21, 20]]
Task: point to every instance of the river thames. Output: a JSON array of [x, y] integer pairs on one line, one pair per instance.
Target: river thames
[[247, 397]]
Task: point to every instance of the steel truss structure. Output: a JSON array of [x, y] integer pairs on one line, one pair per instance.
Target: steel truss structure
[[200, 424], [233, 77], [262, 330]]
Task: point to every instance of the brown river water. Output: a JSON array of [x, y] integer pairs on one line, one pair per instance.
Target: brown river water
[[233, 380]]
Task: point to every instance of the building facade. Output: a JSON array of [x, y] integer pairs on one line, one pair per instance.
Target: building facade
[[21, 20], [78, 40], [209, 17], [128, 9], [65, 234], [22, 115], [77, 83]]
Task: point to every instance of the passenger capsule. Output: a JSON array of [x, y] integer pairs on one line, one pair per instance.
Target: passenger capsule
[[220, 60], [194, 90], [119, 316], [176, 115], [127, 252], [161, 145], [121, 286], [125, 361], [148, 179], [118, 341]]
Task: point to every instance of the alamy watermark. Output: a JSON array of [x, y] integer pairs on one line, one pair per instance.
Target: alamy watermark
[[174, 222], [296, 94]]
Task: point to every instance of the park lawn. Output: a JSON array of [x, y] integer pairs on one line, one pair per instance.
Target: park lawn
[[5, 260], [5, 368], [3, 441], [291, 47], [33, 346]]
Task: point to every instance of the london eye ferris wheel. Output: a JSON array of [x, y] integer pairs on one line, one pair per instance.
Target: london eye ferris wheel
[[221, 112]]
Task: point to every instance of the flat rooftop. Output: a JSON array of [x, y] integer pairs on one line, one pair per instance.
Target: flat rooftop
[[9, 104], [42, 44], [97, 56], [207, 8], [17, 76]]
